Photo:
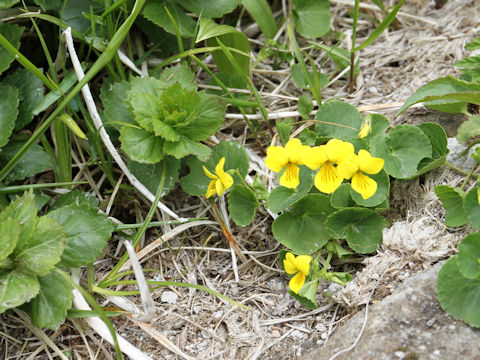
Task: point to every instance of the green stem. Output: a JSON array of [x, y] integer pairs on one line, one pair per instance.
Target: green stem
[[18, 188], [468, 175], [104, 59], [457, 169], [156, 223], [144, 227]]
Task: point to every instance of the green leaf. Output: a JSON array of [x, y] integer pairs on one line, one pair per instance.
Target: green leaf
[[16, 288], [452, 201], [378, 124], [151, 174], [210, 117], [284, 128], [282, 197], [114, 99], [340, 121], [33, 162], [49, 307], [242, 205], [42, 251], [381, 27], [469, 255], [438, 140], [209, 9], [31, 93], [469, 129], [87, 233], [23, 211], [75, 197], [261, 13], [49, 4], [186, 147], [74, 14], [69, 80], [402, 150], [12, 33], [8, 111], [305, 105], [383, 190], [236, 157], [301, 79], [141, 145], [303, 229], [444, 89], [361, 227], [311, 17], [235, 40], [307, 296], [5, 4], [342, 198], [9, 235], [472, 207], [155, 12], [457, 294], [208, 28], [180, 73]]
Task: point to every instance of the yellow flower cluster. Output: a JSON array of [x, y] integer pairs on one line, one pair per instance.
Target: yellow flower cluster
[[298, 265], [335, 161]]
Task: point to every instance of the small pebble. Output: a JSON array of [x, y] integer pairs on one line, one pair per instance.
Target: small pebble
[[400, 354], [297, 334]]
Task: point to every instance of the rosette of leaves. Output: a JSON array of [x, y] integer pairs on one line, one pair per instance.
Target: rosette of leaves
[[170, 117], [73, 234]]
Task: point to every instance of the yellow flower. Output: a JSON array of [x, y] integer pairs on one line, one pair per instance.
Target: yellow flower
[[221, 181], [325, 157], [299, 265], [363, 163], [288, 157]]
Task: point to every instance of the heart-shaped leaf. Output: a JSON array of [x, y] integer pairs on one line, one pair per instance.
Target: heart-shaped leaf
[[303, 229], [469, 256], [311, 17], [242, 204], [361, 227], [338, 120], [141, 145], [472, 207], [452, 201]]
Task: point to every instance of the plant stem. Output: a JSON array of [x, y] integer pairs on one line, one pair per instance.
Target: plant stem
[[468, 175]]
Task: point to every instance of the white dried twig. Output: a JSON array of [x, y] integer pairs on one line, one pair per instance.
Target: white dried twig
[[92, 109]]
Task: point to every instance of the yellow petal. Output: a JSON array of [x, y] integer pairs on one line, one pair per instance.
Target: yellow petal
[[219, 188], [314, 157], [327, 179], [364, 185], [294, 150], [302, 263], [226, 181], [289, 263], [364, 131], [277, 158], [211, 190], [347, 168], [297, 282], [290, 178], [219, 167], [209, 174], [338, 150], [369, 164]]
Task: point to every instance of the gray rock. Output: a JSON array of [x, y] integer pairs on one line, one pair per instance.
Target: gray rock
[[409, 324], [462, 162]]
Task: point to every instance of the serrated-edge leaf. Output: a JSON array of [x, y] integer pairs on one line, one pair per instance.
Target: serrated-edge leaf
[[8, 111], [9, 235], [16, 288]]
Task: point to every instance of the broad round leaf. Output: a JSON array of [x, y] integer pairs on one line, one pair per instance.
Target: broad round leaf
[[361, 227], [472, 208], [340, 121], [75, 197], [457, 294], [342, 198], [378, 124], [383, 190], [438, 140], [12, 33], [9, 235], [16, 288], [452, 201], [402, 150], [141, 145], [303, 228], [87, 233], [242, 204], [180, 73], [8, 111], [282, 197], [151, 174], [469, 129], [114, 99], [311, 17], [185, 147], [42, 251], [49, 307], [469, 256]]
